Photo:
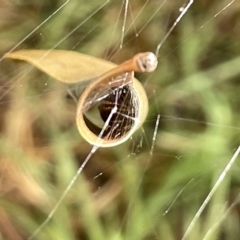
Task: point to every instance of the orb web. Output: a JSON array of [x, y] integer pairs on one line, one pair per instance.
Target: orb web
[[190, 119]]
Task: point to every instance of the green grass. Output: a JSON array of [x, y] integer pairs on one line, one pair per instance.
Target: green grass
[[195, 89]]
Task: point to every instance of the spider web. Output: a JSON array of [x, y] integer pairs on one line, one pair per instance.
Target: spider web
[[187, 140]]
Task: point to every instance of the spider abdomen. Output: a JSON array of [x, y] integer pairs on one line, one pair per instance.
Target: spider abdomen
[[121, 121]]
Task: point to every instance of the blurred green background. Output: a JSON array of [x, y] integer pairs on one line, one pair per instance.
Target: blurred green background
[[140, 189]]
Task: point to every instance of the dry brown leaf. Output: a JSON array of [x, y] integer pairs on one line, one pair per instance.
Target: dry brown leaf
[[64, 66]]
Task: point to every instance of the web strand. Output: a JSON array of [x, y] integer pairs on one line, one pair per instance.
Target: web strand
[[211, 193]]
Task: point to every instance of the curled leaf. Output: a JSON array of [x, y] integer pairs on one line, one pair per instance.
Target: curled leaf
[[120, 98]]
